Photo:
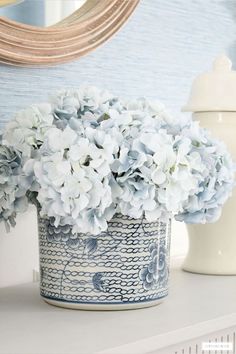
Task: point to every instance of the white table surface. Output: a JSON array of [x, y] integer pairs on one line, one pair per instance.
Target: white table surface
[[197, 305]]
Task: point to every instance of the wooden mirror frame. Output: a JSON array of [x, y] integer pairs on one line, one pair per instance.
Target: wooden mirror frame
[[78, 34]]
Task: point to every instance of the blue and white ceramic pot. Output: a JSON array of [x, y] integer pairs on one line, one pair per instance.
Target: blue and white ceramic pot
[[123, 268]]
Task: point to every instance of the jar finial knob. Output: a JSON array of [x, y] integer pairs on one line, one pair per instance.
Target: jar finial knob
[[214, 90], [222, 63]]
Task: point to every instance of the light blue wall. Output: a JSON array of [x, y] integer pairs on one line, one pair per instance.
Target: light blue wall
[[160, 50]]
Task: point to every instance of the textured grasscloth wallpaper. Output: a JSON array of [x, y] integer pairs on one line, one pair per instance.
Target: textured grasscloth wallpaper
[[163, 46], [157, 54]]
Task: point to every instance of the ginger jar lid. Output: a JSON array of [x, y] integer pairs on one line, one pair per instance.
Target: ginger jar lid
[[214, 90]]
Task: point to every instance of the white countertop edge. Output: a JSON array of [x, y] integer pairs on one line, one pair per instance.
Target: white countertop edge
[[184, 334]]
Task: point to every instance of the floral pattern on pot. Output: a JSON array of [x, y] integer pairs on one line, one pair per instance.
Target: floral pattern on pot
[[127, 264]]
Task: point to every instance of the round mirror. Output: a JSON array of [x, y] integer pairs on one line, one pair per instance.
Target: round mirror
[[46, 32], [42, 13]]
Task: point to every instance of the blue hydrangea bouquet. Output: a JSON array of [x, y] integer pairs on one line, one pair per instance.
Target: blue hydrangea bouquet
[[86, 158]]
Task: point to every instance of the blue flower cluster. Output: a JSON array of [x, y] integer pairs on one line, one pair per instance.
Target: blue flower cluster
[[156, 273], [150, 275], [12, 195], [87, 155], [163, 268]]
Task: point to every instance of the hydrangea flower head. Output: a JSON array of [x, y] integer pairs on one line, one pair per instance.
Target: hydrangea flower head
[[74, 174], [26, 132], [87, 155], [12, 196]]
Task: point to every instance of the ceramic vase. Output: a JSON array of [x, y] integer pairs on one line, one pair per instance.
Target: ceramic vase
[[126, 267], [212, 247]]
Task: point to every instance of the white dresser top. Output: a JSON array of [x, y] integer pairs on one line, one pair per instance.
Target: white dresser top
[[197, 305]]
